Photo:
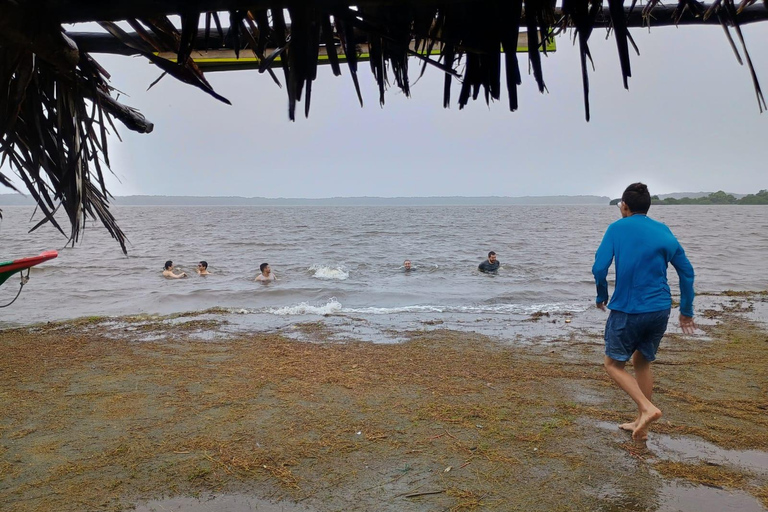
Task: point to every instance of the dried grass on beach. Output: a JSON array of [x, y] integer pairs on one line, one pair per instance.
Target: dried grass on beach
[[445, 421]]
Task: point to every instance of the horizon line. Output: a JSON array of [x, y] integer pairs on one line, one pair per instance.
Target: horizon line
[[366, 197]]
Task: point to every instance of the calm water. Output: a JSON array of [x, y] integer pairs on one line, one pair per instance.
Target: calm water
[[343, 264]]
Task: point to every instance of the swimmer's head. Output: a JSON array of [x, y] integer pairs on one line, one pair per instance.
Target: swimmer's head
[[263, 266], [492, 257], [407, 264], [168, 265], [203, 265]]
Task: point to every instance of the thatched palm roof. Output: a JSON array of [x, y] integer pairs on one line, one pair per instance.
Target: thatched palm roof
[[56, 105]]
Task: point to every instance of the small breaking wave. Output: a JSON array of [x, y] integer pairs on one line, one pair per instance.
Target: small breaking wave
[[331, 307], [334, 307], [238, 311], [519, 309], [396, 310], [326, 272]]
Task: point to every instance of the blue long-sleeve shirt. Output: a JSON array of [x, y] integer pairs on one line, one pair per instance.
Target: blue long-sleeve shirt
[[642, 248]]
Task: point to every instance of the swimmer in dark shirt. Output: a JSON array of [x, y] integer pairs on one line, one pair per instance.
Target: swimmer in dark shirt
[[489, 265]]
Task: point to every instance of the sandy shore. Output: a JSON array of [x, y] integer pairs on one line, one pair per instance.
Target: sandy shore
[[446, 421]]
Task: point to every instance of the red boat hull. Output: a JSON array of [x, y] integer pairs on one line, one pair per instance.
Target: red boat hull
[[21, 264]]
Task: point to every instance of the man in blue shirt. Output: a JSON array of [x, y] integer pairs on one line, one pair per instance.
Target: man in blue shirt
[[640, 306]]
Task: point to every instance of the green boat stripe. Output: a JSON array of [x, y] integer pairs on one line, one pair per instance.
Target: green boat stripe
[[5, 275]]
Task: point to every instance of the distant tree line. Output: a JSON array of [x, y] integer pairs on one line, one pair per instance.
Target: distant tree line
[[718, 197]]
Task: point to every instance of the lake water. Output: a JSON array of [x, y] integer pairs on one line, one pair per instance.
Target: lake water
[[343, 265]]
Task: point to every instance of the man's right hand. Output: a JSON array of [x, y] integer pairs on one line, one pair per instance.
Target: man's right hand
[[601, 305], [686, 324]]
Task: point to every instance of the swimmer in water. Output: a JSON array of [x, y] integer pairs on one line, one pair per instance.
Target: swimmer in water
[[489, 265], [266, 273], [202, 268], [168, 271], [407, 266]]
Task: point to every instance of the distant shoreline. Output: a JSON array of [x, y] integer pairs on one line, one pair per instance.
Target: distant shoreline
[[714, 198], [700, 198], [143, 200], [686, 198]]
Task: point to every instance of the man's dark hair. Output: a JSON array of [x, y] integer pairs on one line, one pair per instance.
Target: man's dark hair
[[263, 266], [637, 198], [204, 264], [491, 254], [168, 264]]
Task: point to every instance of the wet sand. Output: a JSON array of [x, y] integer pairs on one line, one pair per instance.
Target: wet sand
[[96, 417]]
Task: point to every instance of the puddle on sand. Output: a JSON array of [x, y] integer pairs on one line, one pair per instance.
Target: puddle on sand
[[759, 313], [686, 448], [219, 503], [674, 497], [680, 448], [679, 497]]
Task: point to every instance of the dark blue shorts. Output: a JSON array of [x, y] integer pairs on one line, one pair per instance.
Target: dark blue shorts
[[625, 333]]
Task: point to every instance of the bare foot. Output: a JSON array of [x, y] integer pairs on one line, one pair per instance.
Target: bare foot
[[643, 422], [629, 426]]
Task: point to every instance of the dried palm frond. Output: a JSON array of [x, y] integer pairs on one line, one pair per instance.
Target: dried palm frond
[[54, 135], [55, 118], [728, 15], [581, 14]]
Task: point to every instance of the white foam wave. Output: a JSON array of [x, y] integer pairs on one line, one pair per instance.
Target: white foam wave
[[486, 309], [525, 309], [326, 272], [333, 306], [556, 308], [238, 311], [396, 310]]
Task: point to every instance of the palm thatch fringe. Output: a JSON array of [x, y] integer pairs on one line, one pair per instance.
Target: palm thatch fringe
[[54, 136], [56, 106]]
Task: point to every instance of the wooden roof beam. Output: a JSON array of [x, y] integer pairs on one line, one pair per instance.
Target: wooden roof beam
[[21, 28], [94, 42], [77, 11]]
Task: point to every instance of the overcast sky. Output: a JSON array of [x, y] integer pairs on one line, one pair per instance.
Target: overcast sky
[[689, 122]]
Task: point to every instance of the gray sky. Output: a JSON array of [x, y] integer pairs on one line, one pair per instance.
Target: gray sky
[[689, 122]]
